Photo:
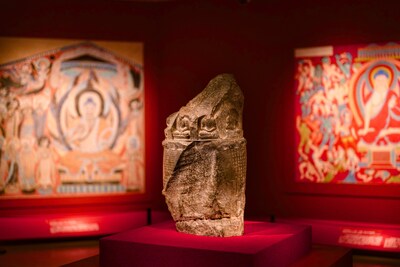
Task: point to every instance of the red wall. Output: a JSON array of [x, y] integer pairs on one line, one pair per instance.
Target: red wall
[[189, 42], [255, 42]]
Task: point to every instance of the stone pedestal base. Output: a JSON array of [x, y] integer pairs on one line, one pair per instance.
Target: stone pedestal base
[[221, 227], [263, 244]]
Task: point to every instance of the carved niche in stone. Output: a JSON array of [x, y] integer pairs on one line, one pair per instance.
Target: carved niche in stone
[[204, 170]]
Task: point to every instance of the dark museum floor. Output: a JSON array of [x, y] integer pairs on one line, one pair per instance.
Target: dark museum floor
[[51, 253]]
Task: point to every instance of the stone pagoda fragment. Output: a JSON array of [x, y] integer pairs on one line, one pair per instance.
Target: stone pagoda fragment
[[204, 172]]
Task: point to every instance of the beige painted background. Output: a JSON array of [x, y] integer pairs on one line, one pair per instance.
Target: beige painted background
[[12, 49]]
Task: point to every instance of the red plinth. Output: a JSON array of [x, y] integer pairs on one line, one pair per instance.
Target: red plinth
[[263, 244]]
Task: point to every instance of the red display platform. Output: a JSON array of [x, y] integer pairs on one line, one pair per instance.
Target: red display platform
[[263, 244], [320, 256]]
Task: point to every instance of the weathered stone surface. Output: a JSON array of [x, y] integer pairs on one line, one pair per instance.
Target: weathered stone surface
[[205, 161]]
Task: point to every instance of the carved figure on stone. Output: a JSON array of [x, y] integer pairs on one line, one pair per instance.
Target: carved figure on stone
[[204, 172]]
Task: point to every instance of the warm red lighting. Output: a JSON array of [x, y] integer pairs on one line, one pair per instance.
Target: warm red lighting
[[360, 238], [72, 226], [368, 238]]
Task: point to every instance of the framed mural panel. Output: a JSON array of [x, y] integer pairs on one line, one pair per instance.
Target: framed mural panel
[[71, 123], [346, 154], [347, 112]]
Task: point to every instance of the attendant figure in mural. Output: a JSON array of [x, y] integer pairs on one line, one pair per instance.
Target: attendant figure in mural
[[13, 119], [313, 122], [3, 103], [11, 153], [381, 112], [346, 145], [308, 172], [3, 160], [305, 73], [328, 120], [40, 106], [46, 171], [133, 119], [352, 165], [27, 162], [305, 134], [42, 69], [328, 73], [344, 61], [27, 126], [25, 73], [135, 166], [317, 77], [3, 164], [345, 129]]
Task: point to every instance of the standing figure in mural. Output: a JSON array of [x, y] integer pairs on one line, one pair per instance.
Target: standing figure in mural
[[11, 154], [381, 112], [305, 75], [12, 120], [27, 126], [45, 172], [330, 74], [305, 135], [3, 165], [26, 157], [347, 158], [27, 162], [135, 166], [3, 160], [344, 61], [39, 113]]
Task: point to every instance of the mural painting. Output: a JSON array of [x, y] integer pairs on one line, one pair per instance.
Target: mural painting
[[71, 122], [348, 114]]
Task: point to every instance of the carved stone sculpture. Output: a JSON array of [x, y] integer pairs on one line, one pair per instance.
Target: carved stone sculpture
[[205, 161]]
